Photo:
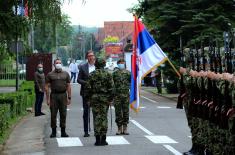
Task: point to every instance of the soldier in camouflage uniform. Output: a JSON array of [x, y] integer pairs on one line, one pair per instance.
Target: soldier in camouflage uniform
[[122, 79], [231, 120], [100, 90]]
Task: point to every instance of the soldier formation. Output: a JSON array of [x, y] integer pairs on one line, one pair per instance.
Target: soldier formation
[[206, 92]]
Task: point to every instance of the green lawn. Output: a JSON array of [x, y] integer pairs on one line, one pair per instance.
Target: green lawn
[[9, 83]]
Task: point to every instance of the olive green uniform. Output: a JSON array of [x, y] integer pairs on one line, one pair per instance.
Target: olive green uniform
[[58, 81]]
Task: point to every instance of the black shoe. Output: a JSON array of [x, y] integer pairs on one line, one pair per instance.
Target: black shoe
[[97, 140], [41, 113], [63, 133], [103, 141], [86, 135], [53, 134]]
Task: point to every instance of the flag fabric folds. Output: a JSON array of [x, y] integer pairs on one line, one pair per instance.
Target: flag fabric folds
[[146, 56]]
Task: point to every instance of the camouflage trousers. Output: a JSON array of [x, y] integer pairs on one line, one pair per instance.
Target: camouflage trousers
[[58, 103], [100, 106], [230, 147], [121, 104]]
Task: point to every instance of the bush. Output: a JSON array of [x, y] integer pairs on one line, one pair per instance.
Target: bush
[[13, 106]]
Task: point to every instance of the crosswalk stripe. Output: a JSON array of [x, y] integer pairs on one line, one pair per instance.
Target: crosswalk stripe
[[160, 139], [69, 142], [149, 99], [141, 127], [174, 151], [163, 107], [117, 140]]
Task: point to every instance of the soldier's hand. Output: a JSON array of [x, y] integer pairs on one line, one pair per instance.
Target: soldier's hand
[[231, 112], [48, 102], [68, 101]]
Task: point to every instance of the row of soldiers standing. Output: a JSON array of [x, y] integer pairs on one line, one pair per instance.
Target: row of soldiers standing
[[208, 98]]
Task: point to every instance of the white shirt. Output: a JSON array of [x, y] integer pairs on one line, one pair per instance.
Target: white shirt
[[73, 68], [91, 68]]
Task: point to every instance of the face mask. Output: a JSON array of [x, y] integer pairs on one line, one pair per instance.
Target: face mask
[[58, 66], [40, 69], [121, 66]]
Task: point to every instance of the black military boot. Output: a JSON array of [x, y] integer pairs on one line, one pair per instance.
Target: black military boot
[[63, 133], [119, 130], [125, 132], [53, 134], [103, 140], [192, 151], [201, 149], [97, 140]]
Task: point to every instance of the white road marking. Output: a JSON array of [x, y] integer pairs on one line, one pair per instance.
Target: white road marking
[[189, 136], [68, 109], [149, 99], [163, 107], [117, 140], [161, 139], [174, 151], [68, 142], [142, 128], [142, 107], [81, 109]]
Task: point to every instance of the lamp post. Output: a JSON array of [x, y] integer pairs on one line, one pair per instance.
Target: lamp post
[[16, 47]]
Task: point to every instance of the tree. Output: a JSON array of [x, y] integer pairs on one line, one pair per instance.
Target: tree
[[111, 39], [44, 35], [194, 21]]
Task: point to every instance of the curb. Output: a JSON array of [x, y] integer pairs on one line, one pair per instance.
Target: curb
[[171, 98]]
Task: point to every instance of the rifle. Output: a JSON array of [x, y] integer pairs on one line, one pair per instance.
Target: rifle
[[225, 107], [204, 100], [192, 107], [182, 94], [212, 83], [182, 90], [198, 92]]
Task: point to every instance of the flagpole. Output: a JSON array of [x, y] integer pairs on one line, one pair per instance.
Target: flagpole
[[173, 67]]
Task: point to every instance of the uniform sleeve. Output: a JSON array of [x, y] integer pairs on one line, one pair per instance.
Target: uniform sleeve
[[36, 80], [233, 95], [48, 78], [88, 87], [129, 74], [68, 78], [110, 86]]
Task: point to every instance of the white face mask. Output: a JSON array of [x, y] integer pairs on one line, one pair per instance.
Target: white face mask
[[58, 66]]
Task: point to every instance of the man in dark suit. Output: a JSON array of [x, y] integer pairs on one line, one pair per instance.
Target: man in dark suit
[[84, 71]]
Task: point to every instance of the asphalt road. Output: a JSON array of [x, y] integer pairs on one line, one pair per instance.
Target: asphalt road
[[157, 129]]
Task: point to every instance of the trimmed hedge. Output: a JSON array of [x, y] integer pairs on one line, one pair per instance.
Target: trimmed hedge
[[14, 105]]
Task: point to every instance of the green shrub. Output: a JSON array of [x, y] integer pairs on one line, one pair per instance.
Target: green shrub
[[13, 106]]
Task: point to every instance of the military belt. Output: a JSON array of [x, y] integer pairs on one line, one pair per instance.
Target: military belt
[[58, 92]]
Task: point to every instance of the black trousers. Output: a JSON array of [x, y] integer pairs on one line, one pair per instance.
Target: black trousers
[[38, 102], [86, 115]]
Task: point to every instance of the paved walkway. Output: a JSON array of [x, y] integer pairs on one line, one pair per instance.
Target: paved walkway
[[7, 89]]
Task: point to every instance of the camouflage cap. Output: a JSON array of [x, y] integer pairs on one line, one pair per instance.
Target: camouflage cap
[[100, 63]]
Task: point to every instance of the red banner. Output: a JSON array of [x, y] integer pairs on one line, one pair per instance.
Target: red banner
[[113, 49]]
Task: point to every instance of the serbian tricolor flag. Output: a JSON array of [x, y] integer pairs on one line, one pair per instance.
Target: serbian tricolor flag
[[146, 56]]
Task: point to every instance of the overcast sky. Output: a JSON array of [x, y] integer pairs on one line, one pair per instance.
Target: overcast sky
[[95, 12]]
